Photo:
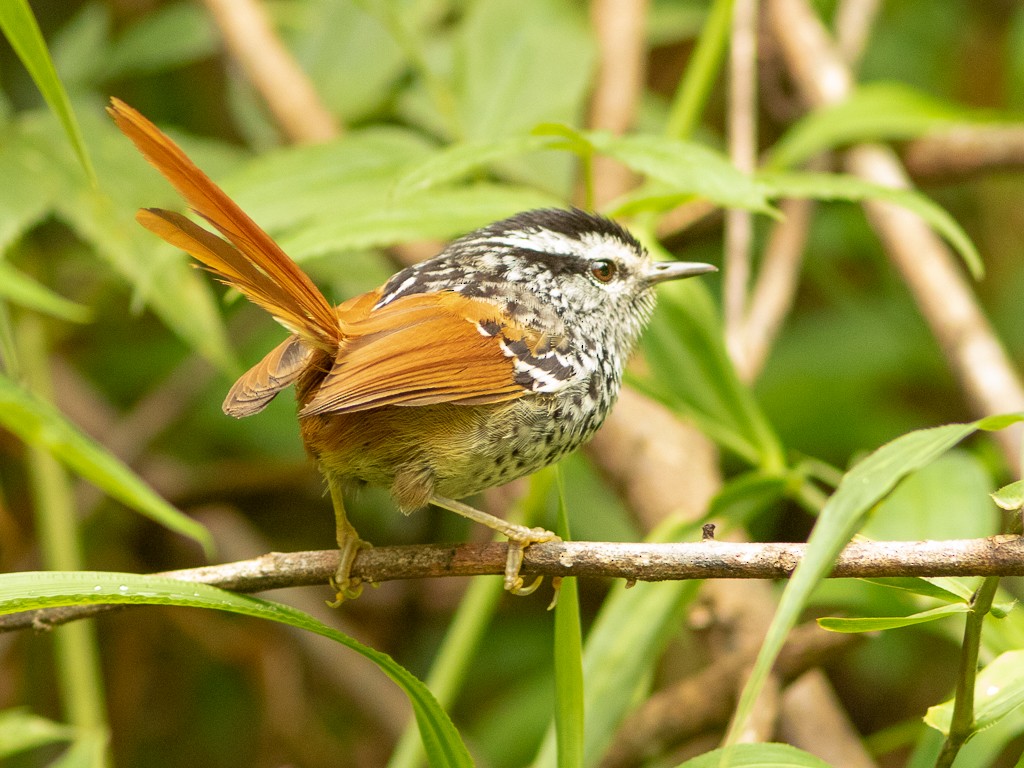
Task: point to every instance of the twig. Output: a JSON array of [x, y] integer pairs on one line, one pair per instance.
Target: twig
[[273, 71], [971, 347], [704, 701], [620, 29], [853, 22], [775, 288], [994, 556], [965, 151], [739, 223], [813, 719]]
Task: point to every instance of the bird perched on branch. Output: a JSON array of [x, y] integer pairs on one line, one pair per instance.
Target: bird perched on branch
[[493, 359]]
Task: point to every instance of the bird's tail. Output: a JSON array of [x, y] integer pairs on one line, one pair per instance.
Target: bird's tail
[[248, 259]]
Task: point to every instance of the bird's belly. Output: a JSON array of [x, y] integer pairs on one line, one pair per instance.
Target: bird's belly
[[446, 449]]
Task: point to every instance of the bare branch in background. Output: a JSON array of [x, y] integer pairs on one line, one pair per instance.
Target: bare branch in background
[[620, 26], [273, 71], [739, 224], [972, 349], [964, 152]]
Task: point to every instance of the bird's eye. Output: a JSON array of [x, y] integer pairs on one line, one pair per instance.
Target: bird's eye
[[603, 270]]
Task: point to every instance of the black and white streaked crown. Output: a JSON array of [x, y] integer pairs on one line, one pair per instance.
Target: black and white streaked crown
[[527, 249]]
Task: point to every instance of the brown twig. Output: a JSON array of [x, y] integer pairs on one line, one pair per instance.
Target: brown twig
[[619, 26], [964, 152], [996, 555], [704, 701], [974, 352], [273, 71], [739, 223]]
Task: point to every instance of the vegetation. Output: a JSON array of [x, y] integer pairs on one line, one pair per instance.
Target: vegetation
[[845, 374]]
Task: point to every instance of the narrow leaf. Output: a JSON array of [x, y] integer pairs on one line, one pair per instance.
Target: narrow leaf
[[873, 112], [878, 623], [22, 32], [33, 590], [835, 186], [568, 660], [756, 756], [621, 650], [1010, 497], [861, 488], [21, 730], [22, 290], [998, 691], [460, 160], [39, 423]]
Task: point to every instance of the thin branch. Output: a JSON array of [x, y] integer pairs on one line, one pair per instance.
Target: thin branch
[[739, 224], [620, 27], [964, 152], [974, 352], [272, 70], [994, 556]]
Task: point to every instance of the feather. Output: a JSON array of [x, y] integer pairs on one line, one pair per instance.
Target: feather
[[272, 270], [261, 383], [419, 350]]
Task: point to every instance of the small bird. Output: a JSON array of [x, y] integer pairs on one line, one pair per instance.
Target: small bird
[[483, 364]]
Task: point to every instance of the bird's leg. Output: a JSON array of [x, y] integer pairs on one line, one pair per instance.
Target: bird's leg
[[519, 538], [349, 543]]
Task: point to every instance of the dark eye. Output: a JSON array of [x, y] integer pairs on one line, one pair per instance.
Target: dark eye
[[603, 270]]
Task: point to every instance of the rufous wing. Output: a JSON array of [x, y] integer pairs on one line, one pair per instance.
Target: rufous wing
[[272, 271], [424, 349], [261, 383]]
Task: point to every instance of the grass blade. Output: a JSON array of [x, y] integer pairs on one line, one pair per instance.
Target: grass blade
[[21, 30], [40, 424], [30, 591]]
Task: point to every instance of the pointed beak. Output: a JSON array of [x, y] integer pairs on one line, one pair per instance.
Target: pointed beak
[[663, 271]]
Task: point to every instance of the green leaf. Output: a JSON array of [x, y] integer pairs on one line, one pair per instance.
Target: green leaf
[[998, 691], [949, 590], [756, 756], [1010, 497], [568, 660], [685, 167], [25, 203], [878, 623], [873, 112], [349, 54], [165, 38], [834, 186], [22, 290], [34, 590], [38, 423], [439, 214], [861, 488], [506, 55], [21, 730], [622, 649], [460, 160], [22, 32], [690, 371], [162, 277], [947, 499]]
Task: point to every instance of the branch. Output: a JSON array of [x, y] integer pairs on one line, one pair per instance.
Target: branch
[[995, 556], [974, 352], [272, 70]]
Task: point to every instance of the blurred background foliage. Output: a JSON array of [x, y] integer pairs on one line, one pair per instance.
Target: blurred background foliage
[[142, 357]]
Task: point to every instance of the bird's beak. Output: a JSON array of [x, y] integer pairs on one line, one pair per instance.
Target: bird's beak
[[663, 271]]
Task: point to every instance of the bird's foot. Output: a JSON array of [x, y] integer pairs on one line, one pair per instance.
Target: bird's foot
[[345, 586], [519, 538]]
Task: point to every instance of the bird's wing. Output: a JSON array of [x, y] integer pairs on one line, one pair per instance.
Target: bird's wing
[[437, 348]]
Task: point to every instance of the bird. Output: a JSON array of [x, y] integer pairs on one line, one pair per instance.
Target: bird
[[483, 364]]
